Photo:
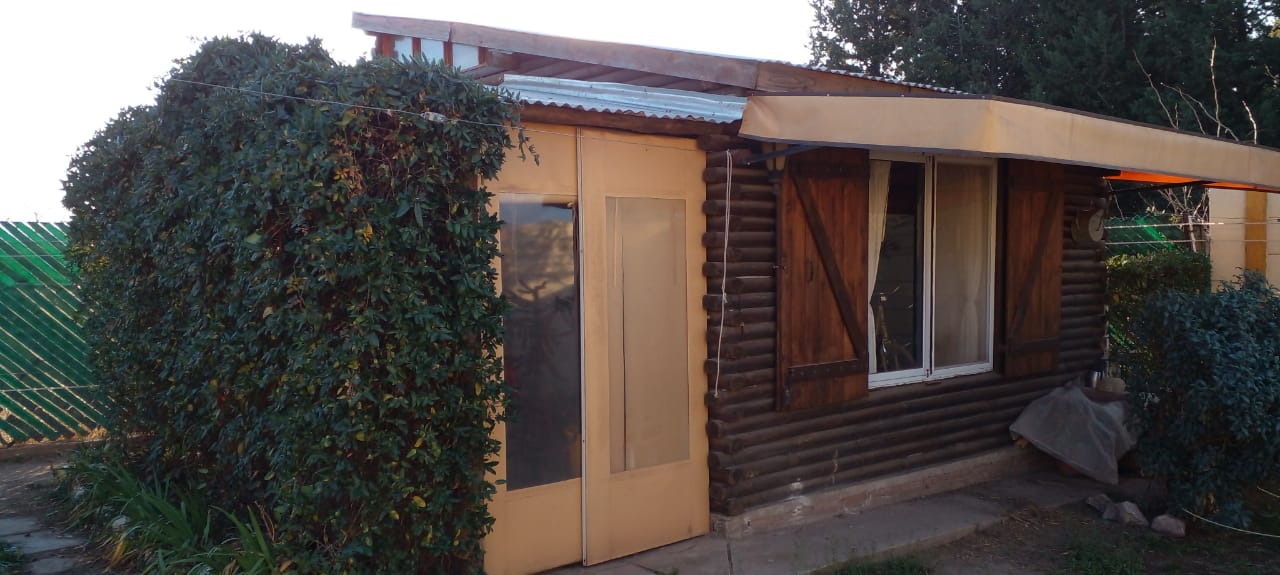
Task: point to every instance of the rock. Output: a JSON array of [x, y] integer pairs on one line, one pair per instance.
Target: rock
[[1169, 525], [1112, 384], [1099, 501], [1126, 513], [120, 523]]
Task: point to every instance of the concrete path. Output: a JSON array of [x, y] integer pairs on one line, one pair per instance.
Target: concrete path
[[26, 480], [885, 531]]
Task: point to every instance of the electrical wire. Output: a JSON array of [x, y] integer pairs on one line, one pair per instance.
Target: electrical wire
[[724, 268], [1236, 529]]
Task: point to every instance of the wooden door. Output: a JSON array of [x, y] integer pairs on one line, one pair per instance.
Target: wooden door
[[646, 466], [641, 441]]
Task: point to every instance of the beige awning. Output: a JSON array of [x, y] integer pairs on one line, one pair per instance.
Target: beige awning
[[997, 127]]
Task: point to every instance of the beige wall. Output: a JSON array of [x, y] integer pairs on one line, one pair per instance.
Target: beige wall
[[1228, 214]]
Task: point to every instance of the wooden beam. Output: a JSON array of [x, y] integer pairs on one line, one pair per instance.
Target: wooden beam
[[779, 77], [1255, 231], [414, 27], [626, 122], [718, 69]]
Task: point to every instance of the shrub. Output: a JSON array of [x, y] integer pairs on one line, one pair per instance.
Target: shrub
[[1204, 387], [1133, 279], [286, 269]]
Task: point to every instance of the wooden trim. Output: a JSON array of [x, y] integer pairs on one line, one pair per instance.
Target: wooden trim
[[779, 77], [394, 25], [1255, 231]]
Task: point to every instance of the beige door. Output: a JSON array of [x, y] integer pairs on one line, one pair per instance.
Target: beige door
[[605, 451]]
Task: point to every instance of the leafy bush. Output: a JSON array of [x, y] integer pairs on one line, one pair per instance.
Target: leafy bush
[[290, 298], [1133, 279], [1204, 387]]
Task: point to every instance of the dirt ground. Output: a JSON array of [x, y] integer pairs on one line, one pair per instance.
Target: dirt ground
[[1074, 540], [26, 484]]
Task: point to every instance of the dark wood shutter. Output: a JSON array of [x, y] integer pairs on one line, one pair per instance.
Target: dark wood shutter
[[822, 279], [1033, 266]]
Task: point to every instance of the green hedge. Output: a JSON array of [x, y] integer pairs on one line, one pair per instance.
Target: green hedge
[[1204, 391], [291, 302], [1134, 279]]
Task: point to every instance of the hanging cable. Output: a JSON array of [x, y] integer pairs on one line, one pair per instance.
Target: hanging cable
[[724, 268]]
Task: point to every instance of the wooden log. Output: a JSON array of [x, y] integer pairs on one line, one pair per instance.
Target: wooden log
[[741, 192], [775, 426], [741, 332], [740, 223], [752, 363], [742, 349], [716, 159], [1079, 288], [1085, 253], [1087, 265], [1095, 277], [719, 142], [717, 174], [712, 302], [880, 462], [740, 207], [743, 254], [1084, 321], [744, 315], [854, 445], [750, 284], [1082, 299], [715, 239], [737, 269]]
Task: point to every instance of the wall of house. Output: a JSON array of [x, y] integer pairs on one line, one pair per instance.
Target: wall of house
[[759, 455], [1234, 231]]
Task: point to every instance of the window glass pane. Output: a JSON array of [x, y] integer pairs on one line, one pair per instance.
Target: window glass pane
[[432, 50], [465, 56], [648, 333], [541, 356], [963, 237], [896, 304], [404, 47]]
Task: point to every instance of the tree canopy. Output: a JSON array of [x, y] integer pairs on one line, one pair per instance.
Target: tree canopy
[[1202, 65]]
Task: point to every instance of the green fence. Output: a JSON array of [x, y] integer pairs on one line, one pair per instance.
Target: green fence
[[1144, 234], [46, 388]]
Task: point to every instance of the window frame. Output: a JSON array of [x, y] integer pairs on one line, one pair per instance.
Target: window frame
[[928, 371]]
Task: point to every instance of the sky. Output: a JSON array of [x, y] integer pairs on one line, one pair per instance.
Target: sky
[[70, 67]]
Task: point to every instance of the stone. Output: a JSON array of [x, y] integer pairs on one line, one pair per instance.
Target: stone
[[1126, 513], [18, 525], [1099, 502], [1169, 525], [52, 566]]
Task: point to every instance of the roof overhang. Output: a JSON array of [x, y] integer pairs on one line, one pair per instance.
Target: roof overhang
[[1003, 128]]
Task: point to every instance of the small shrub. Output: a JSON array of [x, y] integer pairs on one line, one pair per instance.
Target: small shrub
[[1133, 279], [1204, 389]]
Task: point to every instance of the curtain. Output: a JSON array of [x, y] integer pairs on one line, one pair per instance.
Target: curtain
[[962, 264], [878, 204]]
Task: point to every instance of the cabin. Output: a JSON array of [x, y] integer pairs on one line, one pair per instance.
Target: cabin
[[747, 294]]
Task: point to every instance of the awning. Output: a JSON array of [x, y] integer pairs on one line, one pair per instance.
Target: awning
[[1004, 128]]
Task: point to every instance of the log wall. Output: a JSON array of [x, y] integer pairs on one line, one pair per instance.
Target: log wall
[[759, 456]]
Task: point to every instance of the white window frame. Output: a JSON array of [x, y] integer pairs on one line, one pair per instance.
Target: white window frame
[[928, 372]]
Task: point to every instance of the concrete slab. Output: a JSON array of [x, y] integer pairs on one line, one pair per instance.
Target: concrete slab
[[891, 530], [17, 525], [52, 566], [43, 541]]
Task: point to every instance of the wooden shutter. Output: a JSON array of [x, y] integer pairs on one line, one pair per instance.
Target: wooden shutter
[[1033, 266], [822, 279]]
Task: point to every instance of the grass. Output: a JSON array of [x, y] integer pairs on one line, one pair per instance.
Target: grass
[[10, 560], [895, 566], [155, 529], [1091, 556]]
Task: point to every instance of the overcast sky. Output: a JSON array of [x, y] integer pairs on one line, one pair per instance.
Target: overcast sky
[[70, 67]]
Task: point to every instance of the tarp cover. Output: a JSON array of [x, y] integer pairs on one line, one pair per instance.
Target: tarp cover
[[1003, 128], [1089, 436]]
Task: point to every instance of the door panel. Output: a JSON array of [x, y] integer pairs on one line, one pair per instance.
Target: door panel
[[640, 438], [646, 478]]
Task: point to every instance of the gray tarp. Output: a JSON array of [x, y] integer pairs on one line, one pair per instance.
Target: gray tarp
[[1089, 436]]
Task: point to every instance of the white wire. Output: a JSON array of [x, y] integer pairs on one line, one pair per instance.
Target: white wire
[[1237, 529], [724, 268]]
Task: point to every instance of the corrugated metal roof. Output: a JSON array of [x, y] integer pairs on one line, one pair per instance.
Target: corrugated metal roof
[[45, 380], [626, 99]]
